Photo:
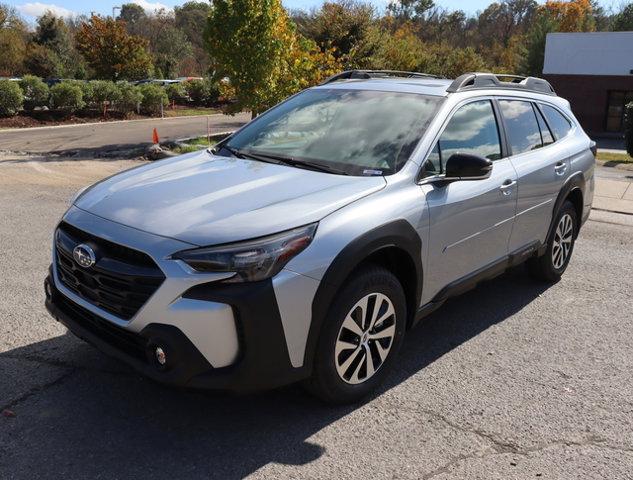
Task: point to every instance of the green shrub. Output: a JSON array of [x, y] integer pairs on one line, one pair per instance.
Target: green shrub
[[176, 92], [35, 92], [66, 96], [153, 97], [103, 91], [202, 92], [11, 98], [628, 128], [131, 97]]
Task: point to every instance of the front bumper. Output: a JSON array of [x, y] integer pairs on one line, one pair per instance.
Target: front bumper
[[263, 361]]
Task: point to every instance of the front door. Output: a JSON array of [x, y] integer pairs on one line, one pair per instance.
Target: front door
[[470, 221]]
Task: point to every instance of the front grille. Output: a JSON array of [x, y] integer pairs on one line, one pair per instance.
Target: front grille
[[121, 280], [123, 340]]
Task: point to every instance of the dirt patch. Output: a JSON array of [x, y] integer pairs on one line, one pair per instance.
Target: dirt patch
[[38, 170]]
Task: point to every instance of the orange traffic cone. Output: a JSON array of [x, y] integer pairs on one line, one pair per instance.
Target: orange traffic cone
[[155, 138]]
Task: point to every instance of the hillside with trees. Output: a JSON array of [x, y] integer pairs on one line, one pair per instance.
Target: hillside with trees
[[257, 52]]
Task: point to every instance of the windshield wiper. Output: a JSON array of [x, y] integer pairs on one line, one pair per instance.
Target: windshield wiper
[[293, 162]]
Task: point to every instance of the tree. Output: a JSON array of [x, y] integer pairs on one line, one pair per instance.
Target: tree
[[12, 41], [111, 52], [409, 9], [191, 18], [571, 16], [340, 25], [132, 14], [168, 45], [535, 44], [60, 58], [623, 21], [503, 20], [249, 42]]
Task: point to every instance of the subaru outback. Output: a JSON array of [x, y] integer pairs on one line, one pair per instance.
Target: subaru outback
[[305, 245]]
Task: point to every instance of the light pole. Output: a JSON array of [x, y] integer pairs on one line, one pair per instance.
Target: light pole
[[114, 9]]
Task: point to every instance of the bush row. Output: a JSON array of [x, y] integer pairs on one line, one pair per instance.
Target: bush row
[[72, 95]]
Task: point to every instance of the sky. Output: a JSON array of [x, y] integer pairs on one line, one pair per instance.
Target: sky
[[32, 9]]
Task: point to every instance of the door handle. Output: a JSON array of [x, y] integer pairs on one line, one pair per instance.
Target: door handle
[[560, 168], [506, 188]]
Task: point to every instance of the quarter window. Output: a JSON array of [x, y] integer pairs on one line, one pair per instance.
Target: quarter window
[[472, 129], [546, 134], [523, 131], [557, 122]]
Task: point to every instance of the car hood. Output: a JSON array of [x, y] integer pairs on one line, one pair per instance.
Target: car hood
[[205, 200]]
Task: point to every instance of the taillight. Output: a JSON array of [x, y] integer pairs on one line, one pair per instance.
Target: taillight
[[593, 146]]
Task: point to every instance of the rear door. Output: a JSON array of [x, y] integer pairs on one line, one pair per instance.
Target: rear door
[[542, 165], [470, 221]]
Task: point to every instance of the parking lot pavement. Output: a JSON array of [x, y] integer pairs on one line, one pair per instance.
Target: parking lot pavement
[[89, 140], [513, 380]]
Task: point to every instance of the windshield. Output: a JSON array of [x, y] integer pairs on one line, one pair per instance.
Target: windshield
[[358, 132]]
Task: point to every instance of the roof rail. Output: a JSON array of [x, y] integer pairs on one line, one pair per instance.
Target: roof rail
[[366, 74], [473, 81]]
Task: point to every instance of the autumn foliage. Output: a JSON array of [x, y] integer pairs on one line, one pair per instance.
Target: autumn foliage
[[111, 52]]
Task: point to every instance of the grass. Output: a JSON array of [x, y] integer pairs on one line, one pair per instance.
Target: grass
[[190, 112], [194, 145], [614, 158]]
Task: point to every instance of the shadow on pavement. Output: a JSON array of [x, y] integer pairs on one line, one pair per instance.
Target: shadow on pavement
[[110, 422]]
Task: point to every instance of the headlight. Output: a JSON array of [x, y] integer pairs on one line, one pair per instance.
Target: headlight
[[251, 260]]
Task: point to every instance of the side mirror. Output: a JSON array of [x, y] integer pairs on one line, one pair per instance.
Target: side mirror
[[464, 166]]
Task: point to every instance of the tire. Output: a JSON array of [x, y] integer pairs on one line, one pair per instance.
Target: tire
[[550, 266], [337, 377]]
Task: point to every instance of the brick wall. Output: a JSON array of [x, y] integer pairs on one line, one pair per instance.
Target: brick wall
[[588, 96]]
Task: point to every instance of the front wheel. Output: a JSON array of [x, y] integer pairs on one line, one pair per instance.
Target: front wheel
[[552, 264], [361, 336]]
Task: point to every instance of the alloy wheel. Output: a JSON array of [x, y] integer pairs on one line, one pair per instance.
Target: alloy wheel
[[563, 238], [365, 338]]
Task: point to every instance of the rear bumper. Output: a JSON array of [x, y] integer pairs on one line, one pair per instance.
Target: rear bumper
[[263, 361]]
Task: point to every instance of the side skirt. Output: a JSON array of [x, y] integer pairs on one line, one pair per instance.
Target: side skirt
[[471, 280]]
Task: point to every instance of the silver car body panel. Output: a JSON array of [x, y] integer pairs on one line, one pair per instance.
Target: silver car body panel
[[200, 199]]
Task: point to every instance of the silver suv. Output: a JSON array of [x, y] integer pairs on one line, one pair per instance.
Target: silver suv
[[305, 245]]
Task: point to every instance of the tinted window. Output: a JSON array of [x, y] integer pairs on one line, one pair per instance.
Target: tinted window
[[559, 124], [522, 127], [359, 131], [473, 129], [546, 135]]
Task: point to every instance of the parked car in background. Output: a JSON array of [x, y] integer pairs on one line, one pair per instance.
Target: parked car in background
[[306, 245]]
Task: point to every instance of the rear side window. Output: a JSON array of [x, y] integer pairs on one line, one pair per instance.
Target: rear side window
[[522, 127], [546, 134], [557, 122]]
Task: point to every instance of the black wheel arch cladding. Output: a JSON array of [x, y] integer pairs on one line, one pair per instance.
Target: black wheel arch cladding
[[575, 183], [398, 234]]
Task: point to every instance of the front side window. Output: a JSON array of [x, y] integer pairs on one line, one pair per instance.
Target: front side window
[[360, 132], [522, 127], [558, 123], [472, 129]]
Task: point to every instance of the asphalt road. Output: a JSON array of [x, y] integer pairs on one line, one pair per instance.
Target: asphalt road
[[514, 380], [85, 140]]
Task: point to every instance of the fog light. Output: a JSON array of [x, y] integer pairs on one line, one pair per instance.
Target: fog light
[[47, 289], [161, 356]]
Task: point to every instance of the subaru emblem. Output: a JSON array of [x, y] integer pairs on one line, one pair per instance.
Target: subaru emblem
[[84, 256]]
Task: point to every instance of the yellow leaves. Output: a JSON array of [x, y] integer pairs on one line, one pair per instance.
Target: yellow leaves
[[572, 16]]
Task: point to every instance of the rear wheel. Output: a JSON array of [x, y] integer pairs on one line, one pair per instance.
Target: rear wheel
[[552, 264], [361, 336]]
